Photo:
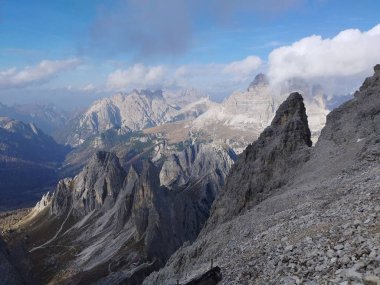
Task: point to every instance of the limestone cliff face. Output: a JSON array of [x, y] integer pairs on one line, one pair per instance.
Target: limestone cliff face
[[250, 110], [197, 161], [133, 112], [263, 166], [91, 189]]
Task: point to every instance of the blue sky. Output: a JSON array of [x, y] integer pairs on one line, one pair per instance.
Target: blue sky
[[85, 41]]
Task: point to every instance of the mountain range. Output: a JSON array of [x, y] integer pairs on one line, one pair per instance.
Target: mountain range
[[281, 212], [134, 111], [124, 221], [292, 214], [166, 120], [150, 125]]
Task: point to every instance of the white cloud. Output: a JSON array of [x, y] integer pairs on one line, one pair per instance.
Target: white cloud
[[350, 53], [29, 75], [243, 68], [216, 78], [137, 76], [88, 87], [210, 77]]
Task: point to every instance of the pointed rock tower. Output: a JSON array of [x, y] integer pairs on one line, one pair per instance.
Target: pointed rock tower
[[263, 166]]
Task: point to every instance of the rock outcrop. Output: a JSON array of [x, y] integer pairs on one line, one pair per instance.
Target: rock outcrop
[[264, 166], [197, 161], [319, 226], [123, 225]]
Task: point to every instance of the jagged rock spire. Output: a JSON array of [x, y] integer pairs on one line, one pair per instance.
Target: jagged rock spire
[[263, 166]]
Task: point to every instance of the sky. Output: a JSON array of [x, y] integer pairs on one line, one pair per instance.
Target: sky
[[71, 52]]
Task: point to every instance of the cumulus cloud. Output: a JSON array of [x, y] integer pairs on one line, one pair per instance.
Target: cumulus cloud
[[243, 68], [137, 76], [166, 27], [351, 53], [89, 87], [213, 78], [31, 75]]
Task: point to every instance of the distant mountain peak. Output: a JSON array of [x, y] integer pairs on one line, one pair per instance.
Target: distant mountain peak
[[260, 80], [134, 111]]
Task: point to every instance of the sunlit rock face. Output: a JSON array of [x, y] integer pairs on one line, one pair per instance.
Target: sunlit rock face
[[135, 111], [248, 110]]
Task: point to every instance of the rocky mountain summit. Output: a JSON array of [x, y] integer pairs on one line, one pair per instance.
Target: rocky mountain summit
[[109, 224], [315, 221], [133, 112], [264, 165], [260, 80], [242, 116], [249, 110]]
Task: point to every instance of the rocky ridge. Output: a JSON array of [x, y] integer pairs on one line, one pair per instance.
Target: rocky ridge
[[134, 111], [121, 225], [321, 225], [264, 165]]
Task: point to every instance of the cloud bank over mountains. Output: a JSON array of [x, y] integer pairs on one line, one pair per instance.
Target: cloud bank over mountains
[[202, 76], [351, 52], [343, 59], [138, 76]]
